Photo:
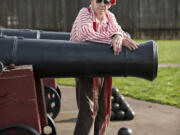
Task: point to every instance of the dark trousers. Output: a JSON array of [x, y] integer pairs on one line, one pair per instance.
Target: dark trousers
[[91, 105]]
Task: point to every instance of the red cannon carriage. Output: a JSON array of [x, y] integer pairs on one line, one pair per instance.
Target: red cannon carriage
[[50, 85], [22, 100]]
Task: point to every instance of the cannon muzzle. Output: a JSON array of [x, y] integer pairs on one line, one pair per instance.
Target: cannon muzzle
[[35, 34], [54, 58]]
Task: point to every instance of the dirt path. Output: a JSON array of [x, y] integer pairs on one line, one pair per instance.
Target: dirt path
[[150, 118]]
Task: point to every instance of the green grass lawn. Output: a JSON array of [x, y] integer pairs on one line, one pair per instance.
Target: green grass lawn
[[168, 51], [165, 89]]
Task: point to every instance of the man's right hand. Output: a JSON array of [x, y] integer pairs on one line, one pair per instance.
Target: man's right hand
[[118, 42]]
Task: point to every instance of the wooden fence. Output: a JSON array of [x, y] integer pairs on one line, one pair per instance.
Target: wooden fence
[[155, 19]]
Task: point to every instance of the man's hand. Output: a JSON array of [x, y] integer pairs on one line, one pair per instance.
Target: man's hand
[[130, 44], [118, 42]]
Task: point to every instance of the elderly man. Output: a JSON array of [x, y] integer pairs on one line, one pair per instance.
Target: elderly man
[[97, 24]]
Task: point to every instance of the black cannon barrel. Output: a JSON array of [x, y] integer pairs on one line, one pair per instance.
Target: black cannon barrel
[[35, 34], [54, 58]]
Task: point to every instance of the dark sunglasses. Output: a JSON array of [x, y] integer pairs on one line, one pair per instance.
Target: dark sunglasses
[[105, 1]]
